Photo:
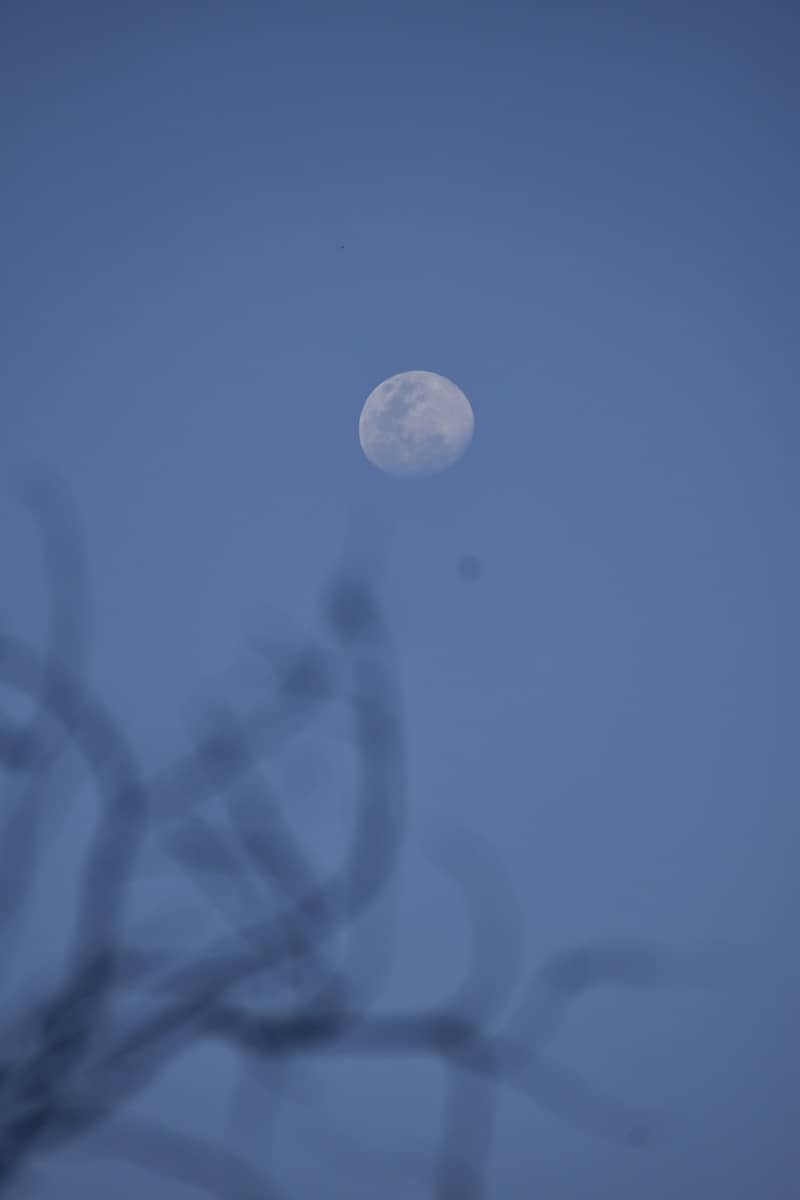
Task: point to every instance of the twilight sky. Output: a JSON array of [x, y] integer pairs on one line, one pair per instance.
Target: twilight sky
[[221, 226]]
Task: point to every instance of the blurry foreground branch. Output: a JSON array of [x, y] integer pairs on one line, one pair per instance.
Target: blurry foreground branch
[[277, 984]]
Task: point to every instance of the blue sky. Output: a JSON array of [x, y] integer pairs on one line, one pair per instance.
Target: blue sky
[[221, 226]]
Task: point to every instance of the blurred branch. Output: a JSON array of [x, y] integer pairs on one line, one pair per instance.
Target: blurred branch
[[125, 1010]]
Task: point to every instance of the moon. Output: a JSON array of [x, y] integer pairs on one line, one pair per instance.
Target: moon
[[415, 423]]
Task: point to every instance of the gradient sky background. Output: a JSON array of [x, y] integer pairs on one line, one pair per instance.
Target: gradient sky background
[[221, 225]]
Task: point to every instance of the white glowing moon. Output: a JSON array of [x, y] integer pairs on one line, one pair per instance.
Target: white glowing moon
[[415, 423]]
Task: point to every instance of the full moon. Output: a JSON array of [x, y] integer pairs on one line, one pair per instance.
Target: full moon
[[415, 423]]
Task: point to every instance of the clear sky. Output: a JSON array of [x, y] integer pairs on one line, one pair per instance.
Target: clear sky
[[221, 226]]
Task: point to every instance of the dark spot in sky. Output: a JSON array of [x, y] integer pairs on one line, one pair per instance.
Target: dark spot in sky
[[469, 567], [638, 1136]]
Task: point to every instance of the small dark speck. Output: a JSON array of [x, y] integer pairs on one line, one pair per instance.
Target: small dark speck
[[469, 567], [638, 1136]]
